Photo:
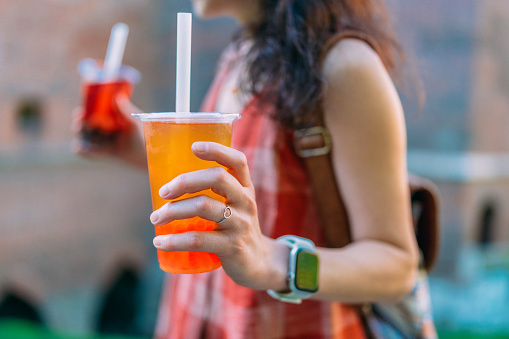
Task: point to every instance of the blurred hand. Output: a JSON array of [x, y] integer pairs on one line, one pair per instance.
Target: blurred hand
[[128, 146], [247, 256]]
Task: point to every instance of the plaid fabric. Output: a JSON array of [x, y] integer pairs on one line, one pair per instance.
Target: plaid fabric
[[211, 305]]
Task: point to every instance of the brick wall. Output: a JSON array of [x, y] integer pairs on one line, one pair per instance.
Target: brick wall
[[490, 100], [440, 39], [459, 139]]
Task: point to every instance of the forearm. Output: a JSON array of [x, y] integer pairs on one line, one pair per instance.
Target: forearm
[[366, 271]]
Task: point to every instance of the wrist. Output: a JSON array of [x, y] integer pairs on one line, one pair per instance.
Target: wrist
[[302, 270], [278, 273]]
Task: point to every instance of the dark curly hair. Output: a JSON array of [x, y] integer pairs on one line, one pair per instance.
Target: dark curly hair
[[284, 58]]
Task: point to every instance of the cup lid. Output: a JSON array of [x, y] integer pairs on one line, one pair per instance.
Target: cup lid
[[92, 70], [204, 117]]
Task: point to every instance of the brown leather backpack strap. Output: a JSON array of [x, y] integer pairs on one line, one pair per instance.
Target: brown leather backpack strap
[[313, 145]]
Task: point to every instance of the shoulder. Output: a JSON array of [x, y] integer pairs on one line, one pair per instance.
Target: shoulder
[[357, 82], [360, 100], [351, 61], [350, 50]]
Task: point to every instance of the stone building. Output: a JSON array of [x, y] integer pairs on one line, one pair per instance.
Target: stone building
[[459, 140], [459, 137]]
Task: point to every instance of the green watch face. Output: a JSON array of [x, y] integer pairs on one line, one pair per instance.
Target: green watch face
[[306, 274]]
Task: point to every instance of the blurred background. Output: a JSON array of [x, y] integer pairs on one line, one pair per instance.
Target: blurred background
[[76, 259]]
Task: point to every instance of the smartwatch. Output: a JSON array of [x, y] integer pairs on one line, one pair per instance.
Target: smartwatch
[[302, 270]]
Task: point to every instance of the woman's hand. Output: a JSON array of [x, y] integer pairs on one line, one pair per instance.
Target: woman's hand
[[247, 256], [128, 146]]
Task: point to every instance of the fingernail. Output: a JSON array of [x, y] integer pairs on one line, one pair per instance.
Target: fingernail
[[157, 242], [154, 217], [199, 146], [164, 191]]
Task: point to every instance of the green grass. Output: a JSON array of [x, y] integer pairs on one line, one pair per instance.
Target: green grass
[[471, 335], [17, 329]]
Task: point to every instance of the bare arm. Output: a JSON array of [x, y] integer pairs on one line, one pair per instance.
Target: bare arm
[[364, 115]]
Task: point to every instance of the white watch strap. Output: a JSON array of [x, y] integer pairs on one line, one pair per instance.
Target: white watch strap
[[296, 244], [292, 297]]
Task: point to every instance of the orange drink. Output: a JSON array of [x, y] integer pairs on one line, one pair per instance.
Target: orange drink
[[168, 139]]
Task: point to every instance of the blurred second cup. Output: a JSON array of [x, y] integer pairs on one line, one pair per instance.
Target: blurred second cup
[[102, 120]]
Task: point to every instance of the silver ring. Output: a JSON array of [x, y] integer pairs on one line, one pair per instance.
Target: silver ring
[[227, 213]]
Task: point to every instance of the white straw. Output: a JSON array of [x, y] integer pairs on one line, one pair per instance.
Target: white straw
[[115, 51], [183, 86]]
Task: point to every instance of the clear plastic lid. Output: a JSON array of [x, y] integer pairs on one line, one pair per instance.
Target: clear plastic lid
[[92, 70], [183, 117]]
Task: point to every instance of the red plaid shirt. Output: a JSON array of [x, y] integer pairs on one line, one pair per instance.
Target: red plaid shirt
[[210, 305]]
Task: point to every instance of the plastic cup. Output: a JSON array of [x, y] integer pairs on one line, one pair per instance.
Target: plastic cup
[[168, 139], [102, 120]]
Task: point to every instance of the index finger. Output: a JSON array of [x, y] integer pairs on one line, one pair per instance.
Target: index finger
[[235, 161]]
